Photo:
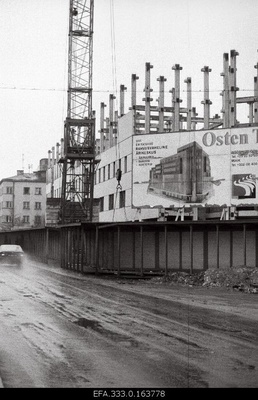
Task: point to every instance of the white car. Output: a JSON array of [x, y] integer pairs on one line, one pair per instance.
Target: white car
[[11, 254]]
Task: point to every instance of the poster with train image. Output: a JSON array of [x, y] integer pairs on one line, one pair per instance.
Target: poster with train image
[[215, 167]]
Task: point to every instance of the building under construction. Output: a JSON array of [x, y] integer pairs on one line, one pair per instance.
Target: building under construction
[[131, 144]]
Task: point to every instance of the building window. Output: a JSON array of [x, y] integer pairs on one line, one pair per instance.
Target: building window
[[108, 171], [37, 220], [38, 190], [181, 166], [26, 205], [204, 164], [119, 163], [26, 219], [122, 199], [8, 218], [37, 205], [101, 204], [104, 174], [99, 175], [8, 204], [111, 202], [125, 164], [26, 190], [114, 169], [9, 190]]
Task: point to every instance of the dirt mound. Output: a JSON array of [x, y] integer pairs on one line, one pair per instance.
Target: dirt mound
[[244, 279], [184, 278]]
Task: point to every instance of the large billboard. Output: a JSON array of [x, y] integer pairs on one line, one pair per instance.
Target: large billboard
[[213, 167]]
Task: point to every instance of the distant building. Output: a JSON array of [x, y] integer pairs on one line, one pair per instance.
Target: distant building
[[23, 199]]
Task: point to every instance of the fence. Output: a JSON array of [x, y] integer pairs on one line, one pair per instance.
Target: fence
[[160, 247], [41, 243], [142, 247]]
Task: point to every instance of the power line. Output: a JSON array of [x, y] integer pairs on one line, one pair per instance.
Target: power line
[[110, 91]]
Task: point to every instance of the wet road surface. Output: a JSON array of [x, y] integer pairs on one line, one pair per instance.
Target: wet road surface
[[63, 329]]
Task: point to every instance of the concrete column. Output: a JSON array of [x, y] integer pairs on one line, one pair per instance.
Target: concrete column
[[256, 95], [177, 68], [102, 134], [122, 100], [53, 157], [107, 140], [232, 87], [49, 159], [206, 101], [147, 99], [58, 171], [62, 148], [194, 115], [172, 91], [133, 93], [225, 93], [251, 113], [188, 82], [116, 127], [52, 171], [111, 119], [57, 152], [161, 81]]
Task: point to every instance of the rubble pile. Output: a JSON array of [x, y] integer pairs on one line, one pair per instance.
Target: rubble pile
[[184, 278], [243, 279]]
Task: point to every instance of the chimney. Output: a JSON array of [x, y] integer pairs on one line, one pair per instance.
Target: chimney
[[20, 171]]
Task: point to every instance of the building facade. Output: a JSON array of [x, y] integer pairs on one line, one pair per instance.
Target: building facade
[[114, 191], [23, 200], [160, 162]]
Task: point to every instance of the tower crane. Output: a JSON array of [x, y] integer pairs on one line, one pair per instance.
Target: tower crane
[[78, 153]]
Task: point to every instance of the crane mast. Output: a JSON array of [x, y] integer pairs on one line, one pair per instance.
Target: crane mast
[[78, 158]]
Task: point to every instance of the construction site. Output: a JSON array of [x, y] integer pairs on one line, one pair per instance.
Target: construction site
[[154, 181], [107, 173], [142, 269]]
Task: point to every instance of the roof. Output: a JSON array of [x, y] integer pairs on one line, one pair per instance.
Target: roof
[[26, 177]]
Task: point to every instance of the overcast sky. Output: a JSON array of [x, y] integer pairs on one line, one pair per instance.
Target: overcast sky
[[33, 65]]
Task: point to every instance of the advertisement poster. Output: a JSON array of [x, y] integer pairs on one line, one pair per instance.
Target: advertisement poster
[[213, 167]]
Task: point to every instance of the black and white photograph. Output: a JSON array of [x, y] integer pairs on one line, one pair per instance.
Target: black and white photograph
[[128, 196]]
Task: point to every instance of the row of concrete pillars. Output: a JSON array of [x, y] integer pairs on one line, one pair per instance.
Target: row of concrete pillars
[[55, 154], [171, 119]]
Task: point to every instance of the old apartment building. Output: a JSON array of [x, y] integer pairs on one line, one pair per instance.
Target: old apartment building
[[23, 199]]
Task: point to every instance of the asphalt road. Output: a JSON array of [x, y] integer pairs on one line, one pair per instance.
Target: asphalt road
[[62, 329]]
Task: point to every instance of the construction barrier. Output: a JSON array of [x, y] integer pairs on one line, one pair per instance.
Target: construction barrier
[[142, 247]]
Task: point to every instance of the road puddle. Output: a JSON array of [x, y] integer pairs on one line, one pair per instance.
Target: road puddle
[[88, 323]]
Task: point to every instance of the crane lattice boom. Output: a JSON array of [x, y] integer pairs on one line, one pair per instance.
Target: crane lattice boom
[[79, 131]]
